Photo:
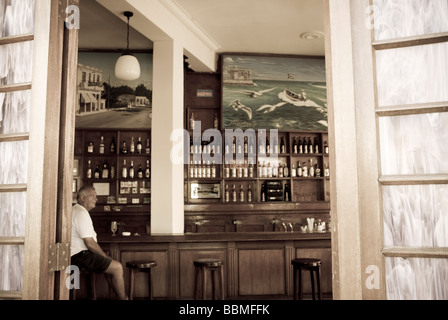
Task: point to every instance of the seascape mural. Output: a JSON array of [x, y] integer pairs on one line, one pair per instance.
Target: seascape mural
[[274, 92]]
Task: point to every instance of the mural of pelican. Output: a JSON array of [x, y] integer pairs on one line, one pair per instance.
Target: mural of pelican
[[256, 94], [271, 107], [237, 105]]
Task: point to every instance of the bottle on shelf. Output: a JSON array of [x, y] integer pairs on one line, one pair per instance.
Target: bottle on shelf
[[213, 170], [227, 194], [140, 172], [300, 145], [293, 171], [139, 145], [249, 194], [124, 148], [326, 170], [285, 170], [287, 195], [131, 170], [305, 146], [282, 145], [90, 147], [251, 170], [96, 174], [311, 169], [112, 147], [105, 171], [299, 169], [124, 170], [326, 150], [268, 146], [132, 146], [227, 170], [89, 170], [234, 194], [242, 196], [310, 146], [318, 171], [294, 146], [102, 145], [148, 147], [112, 171], [263, 193], [191, 169], [245, 170], [304, 170], [208, 171], [192, 121], [316, 145]]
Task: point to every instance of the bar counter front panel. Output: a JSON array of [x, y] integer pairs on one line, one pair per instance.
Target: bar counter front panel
[[256, 264]]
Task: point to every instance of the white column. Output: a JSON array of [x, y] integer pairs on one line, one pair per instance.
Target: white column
[[167, 180]]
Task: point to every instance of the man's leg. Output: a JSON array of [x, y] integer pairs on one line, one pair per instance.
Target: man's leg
[[116, 271]]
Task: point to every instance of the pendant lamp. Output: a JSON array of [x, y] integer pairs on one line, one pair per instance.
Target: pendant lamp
[[127, 66]]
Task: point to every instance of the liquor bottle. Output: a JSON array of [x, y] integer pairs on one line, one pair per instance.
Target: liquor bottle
[[269, 170], [287, 195], [97, 172], [293, 171], [112, 171], [131, 170], [249, 194], [268, 147], [240, 171], [275, 146], [124, 148], [246, 147], [264, 170], [233, 194], [227, 195], [213, 170], [242, 197], [191, 145], [148, 147], [263, 193], [132, 147], [300, 146], [102, 145], [208, 171], [316, 145], [260, 170], [304, 170], [285, 170], [196, 170], [227, 170], [326, 147], [147, 170], [140, 172], [191, 169], [89, 170], [234, 145], [311, 169], [294, 146], [310, 146], [282, 145], [275, 170], [105, 172], [216, 122], [245, 170], [299, 169], [90, 147], [192, 121], [305, 146], [139, 145], [234, 169], [280, 170], [318, 171], [124, 171], [112, 147], [251, 170], [327, 170]]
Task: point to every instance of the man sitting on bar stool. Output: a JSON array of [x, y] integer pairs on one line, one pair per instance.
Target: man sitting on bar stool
[[85, 251]]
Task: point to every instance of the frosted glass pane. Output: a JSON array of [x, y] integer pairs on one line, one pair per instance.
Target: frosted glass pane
[[16, 17], [12, 214], [13, 162], [406, 18], [15, 112], [16, 62], [414, 144], [417, 279], [412, 75], [11, 268], [415, 216]]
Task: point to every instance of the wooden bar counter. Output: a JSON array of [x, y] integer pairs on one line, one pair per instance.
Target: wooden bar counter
[[257, 265]]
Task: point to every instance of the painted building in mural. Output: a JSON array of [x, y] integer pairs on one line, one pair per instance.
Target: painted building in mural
[[90, 89]]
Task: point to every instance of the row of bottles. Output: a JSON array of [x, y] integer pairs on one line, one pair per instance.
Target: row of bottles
[[108, 172], [203, 170], [241, 196], [193, 120], [302, 145], [133, 148]]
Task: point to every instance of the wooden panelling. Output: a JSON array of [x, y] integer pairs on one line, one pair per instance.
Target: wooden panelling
[[261, 272]]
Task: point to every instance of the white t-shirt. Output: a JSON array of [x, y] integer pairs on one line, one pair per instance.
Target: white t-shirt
[[82, 227]]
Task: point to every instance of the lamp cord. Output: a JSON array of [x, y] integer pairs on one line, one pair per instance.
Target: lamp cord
[[128, 35]]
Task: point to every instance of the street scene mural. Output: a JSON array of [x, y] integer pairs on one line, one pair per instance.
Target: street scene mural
[[107, 102], [274, 92]]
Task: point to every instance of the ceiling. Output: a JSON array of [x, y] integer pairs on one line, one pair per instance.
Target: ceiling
[[252, 26]]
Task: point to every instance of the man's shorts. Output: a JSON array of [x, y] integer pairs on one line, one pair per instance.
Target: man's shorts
[[91, 261]]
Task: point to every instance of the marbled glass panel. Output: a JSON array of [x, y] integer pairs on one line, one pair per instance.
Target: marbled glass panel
[[11, 268], [412, 75], [16, 17], [12, 214], [416, 279], [415, 216], [14, 162], [416, 144], [407, 18]]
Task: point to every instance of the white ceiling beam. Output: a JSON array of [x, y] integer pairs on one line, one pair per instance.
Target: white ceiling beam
[[160, 20]]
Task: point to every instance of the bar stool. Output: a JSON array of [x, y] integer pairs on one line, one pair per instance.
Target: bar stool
[[140, 266], [90, 275], [216, 269], [313, 265]]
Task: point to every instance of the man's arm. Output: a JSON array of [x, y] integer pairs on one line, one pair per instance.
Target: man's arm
[[93, 246]]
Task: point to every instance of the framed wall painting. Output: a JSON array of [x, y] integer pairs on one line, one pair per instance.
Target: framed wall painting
[[274, 92], [103, 101]]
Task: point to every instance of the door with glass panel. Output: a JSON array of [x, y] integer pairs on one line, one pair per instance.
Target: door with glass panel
[[410, 43]]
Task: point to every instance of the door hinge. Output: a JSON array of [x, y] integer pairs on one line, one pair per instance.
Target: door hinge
[[58, 256]]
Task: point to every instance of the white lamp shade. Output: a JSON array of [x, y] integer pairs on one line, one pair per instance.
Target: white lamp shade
[[127, 67]]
